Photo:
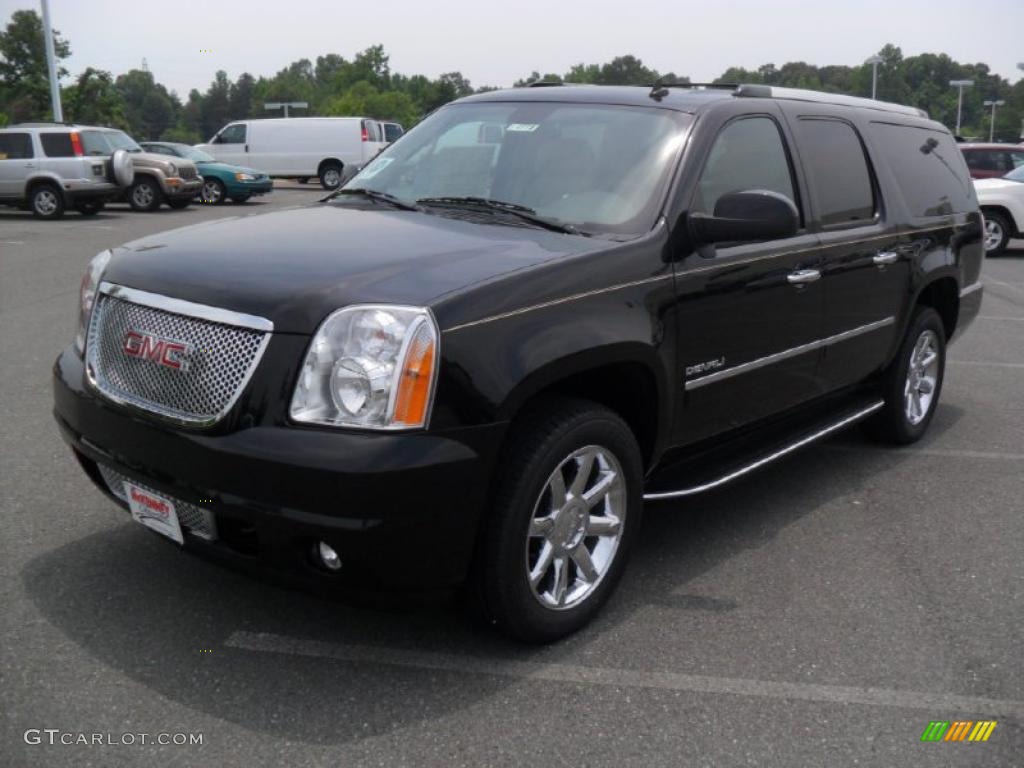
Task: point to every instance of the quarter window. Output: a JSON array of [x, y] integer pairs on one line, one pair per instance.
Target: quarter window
[[748, 154], [15, 146], [57, 144], [838, 171]]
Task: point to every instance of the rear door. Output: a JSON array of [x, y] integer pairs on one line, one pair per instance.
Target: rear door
[[750, 314], [865, 263], [16, 162]]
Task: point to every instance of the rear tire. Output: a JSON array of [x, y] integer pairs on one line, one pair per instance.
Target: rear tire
[[144, 195], [330, 175], [997, 233], [912, 383], [46, 201], [556, 541]]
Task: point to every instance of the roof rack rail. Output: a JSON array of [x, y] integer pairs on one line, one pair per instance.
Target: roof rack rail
[[40, 124], [761, 91], [544, 83], [659, 89]]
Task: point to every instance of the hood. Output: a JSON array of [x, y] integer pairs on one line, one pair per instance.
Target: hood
[[153, 160], [219, 167], [981, 184], [297, 265]]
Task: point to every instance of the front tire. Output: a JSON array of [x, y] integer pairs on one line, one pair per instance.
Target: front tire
[[566, 508], [213, 192], [144, 195], [46, 202], [913, 382], [997, 233]]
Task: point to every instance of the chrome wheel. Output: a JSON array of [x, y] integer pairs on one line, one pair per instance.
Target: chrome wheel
[[576, 528], [922, 377], [45, 202], [212, 192], [143, 195], [993, 234], [331, 178]]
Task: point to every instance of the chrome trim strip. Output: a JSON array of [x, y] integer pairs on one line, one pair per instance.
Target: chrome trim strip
[[786, 354], [697, 270], [190, 308], [970, 289], [554, 302], [842, 423]]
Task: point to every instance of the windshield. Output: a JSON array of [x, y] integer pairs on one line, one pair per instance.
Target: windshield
[[195, 155], [121, 140], [1017, 174], [599, 168]]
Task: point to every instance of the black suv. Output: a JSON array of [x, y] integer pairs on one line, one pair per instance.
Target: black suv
[[538, 310]]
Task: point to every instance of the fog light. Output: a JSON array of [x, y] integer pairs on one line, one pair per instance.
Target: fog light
[[328, 557]]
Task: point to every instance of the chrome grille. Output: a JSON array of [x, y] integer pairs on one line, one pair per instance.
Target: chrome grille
[[217, 362], [196, 520], [187, 172]]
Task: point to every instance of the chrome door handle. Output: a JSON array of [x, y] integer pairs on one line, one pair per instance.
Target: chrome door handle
[[802, 276], [884, 258]]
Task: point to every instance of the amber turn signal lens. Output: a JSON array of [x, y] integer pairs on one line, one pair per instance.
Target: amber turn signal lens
[[413, 398]]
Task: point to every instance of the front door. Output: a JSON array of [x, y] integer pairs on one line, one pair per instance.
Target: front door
[[230, 145], [750, 314]]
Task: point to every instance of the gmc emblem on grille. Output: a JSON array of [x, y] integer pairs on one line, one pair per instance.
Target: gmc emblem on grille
[[150, 347]]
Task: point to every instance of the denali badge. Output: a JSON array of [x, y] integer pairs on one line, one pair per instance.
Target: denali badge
[[709, 365], [151, 347]]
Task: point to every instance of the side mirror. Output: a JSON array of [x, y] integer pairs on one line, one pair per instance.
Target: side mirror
[[752, 215]]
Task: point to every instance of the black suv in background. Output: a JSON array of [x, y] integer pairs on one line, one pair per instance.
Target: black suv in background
[[544, 307]]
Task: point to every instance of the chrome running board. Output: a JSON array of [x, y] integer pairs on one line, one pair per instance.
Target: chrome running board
[[820, 434]]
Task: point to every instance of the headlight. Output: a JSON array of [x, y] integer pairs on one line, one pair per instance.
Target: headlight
[[172, 169], [370, 366], [87, 295], [244, 177]]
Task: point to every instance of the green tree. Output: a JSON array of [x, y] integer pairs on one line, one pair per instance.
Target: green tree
[[24, 78], [95, 99]]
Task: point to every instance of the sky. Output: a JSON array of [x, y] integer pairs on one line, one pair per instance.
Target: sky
[[496, 43]]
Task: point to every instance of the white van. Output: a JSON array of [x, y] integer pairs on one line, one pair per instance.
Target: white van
[[330, 148]]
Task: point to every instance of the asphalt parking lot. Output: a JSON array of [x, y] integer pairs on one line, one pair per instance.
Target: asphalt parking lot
[[820, 613]]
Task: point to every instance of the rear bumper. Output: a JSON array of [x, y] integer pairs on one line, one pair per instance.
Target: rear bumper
[[970, 306], [401, 509]]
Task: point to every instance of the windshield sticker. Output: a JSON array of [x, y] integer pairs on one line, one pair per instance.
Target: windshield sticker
[[377, 167], [523, 127]]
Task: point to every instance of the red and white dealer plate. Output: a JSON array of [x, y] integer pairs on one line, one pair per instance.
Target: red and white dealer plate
[[154, 512]]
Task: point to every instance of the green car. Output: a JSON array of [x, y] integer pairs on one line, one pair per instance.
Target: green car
[[220, 180]]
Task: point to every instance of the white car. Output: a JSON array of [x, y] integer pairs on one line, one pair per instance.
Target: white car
[[1002, 203], [329, 148]]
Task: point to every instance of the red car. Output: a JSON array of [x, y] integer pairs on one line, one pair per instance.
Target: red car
[[992, 161]]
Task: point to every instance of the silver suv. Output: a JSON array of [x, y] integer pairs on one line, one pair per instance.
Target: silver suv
[[47, 168]]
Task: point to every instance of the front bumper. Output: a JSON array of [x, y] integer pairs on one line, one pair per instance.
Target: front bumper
[[249, 188], [402, 510], [179, 189]]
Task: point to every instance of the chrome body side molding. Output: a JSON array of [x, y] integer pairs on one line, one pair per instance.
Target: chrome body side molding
[[787, 353], [778, 454]]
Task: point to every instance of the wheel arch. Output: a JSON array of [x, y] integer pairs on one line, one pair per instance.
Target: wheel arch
[[1006, 213], [623, 377], [329, 161], [48, 180], [942, 293]]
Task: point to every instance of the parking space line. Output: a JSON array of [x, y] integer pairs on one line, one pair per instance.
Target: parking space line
[[263, 642], [982, 364]]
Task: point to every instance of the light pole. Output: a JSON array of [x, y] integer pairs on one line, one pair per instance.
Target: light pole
[[960, 85], [51, 63], [286, 105], [874, 61], [992, 124]]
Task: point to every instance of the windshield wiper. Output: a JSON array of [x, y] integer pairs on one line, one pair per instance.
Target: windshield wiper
[[376, 196], [521, 212]]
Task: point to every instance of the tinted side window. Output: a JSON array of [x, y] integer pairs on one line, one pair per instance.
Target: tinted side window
[[392, 131], [980, 160], [15, 146], [839, 175], [1017, 158], [57, 144], [749, 153], [928, 166], [233, 134]]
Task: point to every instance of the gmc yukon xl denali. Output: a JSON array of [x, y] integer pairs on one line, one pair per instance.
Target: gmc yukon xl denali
[[474, 363]]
